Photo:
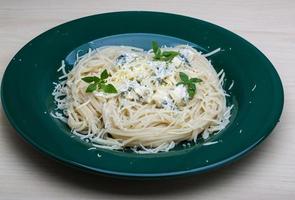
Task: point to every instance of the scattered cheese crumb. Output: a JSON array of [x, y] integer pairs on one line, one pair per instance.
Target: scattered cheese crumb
[[254, 87], [210, 143], [212, 52], [205, 134], [231, 85]]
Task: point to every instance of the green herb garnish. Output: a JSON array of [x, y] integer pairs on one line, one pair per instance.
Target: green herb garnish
[[163, 56], [190, 83], [99, 83]]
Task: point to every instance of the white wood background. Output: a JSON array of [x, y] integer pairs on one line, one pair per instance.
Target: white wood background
[[266, 173]]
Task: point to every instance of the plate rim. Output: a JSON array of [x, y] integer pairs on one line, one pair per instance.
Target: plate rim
[[197, 170]]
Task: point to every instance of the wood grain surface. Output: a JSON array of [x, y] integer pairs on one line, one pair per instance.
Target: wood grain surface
[[266, 173]]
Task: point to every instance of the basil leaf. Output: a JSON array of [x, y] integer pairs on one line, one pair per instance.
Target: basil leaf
[[183, 77], [88, 79], [96, 79], [191, 90], [189, 83], [155, 46], [163, 56], [158, 54], [166, 54], [170, 53], [99, 83], [104, 74], [195, 80], [192, 86], [92, 87], [169, 58], [109, 88], [191, 94], [156, 50]]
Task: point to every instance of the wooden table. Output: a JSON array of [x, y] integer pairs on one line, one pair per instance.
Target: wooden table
[[266, 173]]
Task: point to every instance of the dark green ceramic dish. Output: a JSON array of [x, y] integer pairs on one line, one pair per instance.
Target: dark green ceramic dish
[[27, 86]]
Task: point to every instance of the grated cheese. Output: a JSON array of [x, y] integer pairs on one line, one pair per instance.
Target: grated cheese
[[231, 85], [212, 52], [254, 87], [210, 143]]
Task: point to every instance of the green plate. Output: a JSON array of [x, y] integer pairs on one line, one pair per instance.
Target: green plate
[[27, 86]]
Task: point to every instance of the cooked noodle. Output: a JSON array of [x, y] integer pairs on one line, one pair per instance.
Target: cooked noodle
[[150, 113]]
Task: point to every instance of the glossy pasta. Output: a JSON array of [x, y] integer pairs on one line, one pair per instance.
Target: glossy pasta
[[150, 112]]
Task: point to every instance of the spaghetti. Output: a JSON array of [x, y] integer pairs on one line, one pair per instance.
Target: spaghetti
[[151, 110]]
